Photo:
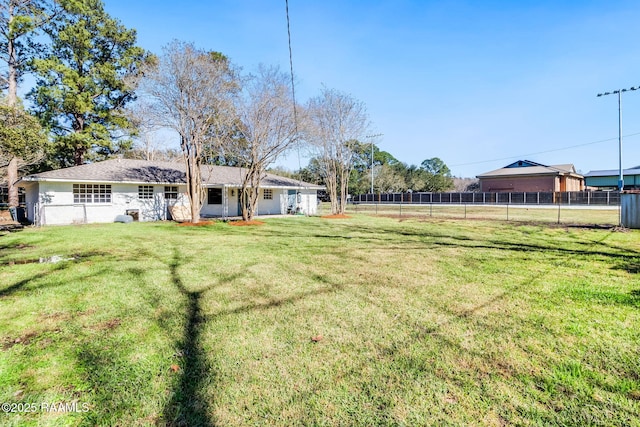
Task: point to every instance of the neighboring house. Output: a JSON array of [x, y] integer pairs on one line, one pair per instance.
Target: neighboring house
[[528, 176], [98, 192], [608, 179]]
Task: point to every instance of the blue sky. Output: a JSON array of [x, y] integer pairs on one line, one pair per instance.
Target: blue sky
[[479, 84]]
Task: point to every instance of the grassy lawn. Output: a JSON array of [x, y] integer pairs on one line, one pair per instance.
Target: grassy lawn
[[552, 214], [308, 321]]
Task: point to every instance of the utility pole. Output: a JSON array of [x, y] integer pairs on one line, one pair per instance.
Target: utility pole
[[620, 170]]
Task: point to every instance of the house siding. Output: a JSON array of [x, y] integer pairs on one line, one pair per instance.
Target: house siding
[[574, 184], [51, 203], [273, 206], [56, 206]]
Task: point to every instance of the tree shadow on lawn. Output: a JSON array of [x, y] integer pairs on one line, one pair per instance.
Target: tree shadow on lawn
[[59, 266], [385, 234], [399, 353], [190, 404], [621, 258]]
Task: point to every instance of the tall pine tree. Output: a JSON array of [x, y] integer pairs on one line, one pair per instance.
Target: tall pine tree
[[83, 82], [20, 21]]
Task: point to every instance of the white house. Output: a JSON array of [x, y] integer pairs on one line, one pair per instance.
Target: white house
[[99, 192]]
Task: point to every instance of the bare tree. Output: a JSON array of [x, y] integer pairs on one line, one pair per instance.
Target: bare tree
[[268, 128], [336, 122], [192, 93], [148, 141]]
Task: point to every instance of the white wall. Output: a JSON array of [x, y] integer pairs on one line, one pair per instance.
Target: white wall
[[309, 202], [304, 200], [31, 200], [53, 202], [56, 206], [219, 211], [273, 206]]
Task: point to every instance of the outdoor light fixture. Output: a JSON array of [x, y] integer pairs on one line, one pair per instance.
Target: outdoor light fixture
[[620, 177]]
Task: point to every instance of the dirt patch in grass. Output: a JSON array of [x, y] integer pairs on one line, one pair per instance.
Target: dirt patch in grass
[[25, 339], [246, 223], [335, 216], [108, 325], [196, 224], [62, 316]]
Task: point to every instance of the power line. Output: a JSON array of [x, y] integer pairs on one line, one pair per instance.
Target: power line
[[543, 152], [293, 85]]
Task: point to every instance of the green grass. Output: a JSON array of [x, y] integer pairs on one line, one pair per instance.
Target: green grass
[[563, 214], [423, 321]]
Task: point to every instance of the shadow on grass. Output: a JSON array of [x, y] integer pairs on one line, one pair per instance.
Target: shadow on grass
[[17, 287], [60, 266], [189, 406]]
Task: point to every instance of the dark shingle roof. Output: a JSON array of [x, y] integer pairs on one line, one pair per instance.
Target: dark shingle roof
[[150, 172], [530, 168]]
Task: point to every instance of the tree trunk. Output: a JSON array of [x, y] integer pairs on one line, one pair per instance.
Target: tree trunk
[[12, 100], [249, 194], [193, 189], [12, 178]]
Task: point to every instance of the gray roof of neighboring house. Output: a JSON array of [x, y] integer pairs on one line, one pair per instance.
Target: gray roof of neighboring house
[[143, 171], [534, 169], [614, 172]]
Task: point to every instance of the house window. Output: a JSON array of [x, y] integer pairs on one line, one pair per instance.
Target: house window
[[170, 192], [267, 194], [145, 191], [214, 196], [91, 193], [4, 195]]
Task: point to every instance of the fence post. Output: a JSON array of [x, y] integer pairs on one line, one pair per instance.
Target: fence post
[[558, 213], [465, 211], [508, 211], [431, 209], [400, 208]]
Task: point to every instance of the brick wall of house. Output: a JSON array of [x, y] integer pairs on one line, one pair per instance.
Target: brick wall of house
[[525, 183]]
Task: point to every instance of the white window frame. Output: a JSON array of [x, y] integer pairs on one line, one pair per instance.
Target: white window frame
[[171, 192], [267, 194], [145, 192], [91, 193]]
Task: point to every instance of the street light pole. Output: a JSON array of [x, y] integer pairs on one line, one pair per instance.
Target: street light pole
[[371, 137], [371, 167], [620, 170], [619, 93]]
